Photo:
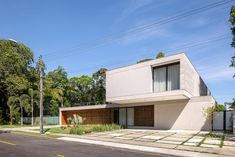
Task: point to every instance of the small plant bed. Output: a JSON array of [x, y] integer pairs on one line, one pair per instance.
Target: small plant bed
[[84, 129]]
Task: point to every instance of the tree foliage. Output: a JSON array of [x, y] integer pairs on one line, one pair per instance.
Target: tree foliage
[[19, 85], [232, 21], [15, 74], [160, 55]]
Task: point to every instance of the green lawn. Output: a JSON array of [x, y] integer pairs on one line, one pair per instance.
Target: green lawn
[[84, 129]]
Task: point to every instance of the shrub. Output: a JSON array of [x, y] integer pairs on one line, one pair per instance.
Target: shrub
[[75, 120], [84, 129]]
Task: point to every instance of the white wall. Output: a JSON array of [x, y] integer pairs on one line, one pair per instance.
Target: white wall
[[183, 115], [129, 82], [137, 79]]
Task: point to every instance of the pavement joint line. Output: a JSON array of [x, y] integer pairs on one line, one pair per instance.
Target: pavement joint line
[[6, 142], [165, 137], [142, 136], [173, 152], [189, 138], [201, 142]]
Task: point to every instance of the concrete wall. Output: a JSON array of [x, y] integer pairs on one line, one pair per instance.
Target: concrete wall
[[129, 82], [137, 79], [183, 115]]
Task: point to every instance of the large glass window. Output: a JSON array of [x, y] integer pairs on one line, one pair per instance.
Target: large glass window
[[166, 78]]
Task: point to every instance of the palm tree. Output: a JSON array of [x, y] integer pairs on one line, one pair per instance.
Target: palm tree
[[24, 105], [14, 108], [58, 94], [33, 94]]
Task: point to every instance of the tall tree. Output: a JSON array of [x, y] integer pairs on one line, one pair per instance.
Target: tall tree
[[34, 100], [13, 107], [15, 66], [232, 21], [99, 89], [24, 106], [82, 87]]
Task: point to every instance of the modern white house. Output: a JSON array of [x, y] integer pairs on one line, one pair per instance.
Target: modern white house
[[165, 93]]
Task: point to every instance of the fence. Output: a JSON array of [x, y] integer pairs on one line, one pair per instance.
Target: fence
[[223, 121], [47, 120]]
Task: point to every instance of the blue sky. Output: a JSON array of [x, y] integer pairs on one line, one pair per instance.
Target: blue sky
[[83, 36]]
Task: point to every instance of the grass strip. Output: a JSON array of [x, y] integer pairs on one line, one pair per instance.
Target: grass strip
[[189, 138], [35, 134], [222, 141], [14, 126], [201, 142]]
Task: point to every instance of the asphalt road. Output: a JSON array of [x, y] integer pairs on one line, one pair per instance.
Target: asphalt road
[[15, 145]]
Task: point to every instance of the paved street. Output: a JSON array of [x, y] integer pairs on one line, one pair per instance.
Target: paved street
[[13, 145]]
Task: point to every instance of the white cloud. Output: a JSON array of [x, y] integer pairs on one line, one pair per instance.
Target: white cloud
[[131, 7], [154, 32], [215, 73]]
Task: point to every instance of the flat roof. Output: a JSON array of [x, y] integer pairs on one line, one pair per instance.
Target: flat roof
[[88, 107]]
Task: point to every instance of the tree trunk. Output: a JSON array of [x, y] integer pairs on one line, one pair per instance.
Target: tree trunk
[[21, 108], [32, 110], [11, 116], [62, 103]]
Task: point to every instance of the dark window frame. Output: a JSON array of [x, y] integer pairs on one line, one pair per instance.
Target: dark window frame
[[165, 65]]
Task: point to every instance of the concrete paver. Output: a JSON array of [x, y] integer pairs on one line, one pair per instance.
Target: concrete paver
[[213, 142], [153, 137], [190, 144], [229, 143], [195, 140], [209, 145], [170, 142], [177, 139]]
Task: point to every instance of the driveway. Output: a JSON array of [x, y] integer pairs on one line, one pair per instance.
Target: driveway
[[15, 145], [196, 141]]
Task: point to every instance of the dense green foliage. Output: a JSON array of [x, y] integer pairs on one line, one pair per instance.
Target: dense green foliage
[[19, 85], [84, 129], [160, 55], [219, 108], [232, 21]]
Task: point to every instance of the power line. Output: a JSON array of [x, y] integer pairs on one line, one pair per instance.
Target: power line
[[176, 17], [184, 46]]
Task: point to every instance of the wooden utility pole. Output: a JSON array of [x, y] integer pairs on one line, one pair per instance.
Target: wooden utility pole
[[40, 66]]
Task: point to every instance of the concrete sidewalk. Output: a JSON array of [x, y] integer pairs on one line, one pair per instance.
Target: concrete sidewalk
[[188, 143], [27, 128]]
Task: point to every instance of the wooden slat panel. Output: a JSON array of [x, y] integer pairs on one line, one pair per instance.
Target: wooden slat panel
[[144, 115], [96, 116]]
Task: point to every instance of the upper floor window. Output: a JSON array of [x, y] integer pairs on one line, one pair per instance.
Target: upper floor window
[[166, 78]]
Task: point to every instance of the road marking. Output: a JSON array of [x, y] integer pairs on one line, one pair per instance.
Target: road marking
[[9, 143], [60, 155]]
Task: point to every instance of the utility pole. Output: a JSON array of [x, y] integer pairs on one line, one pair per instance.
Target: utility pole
[[40, 68]]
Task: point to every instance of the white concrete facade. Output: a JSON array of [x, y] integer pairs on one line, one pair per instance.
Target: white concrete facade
[[182, 109], [136, 81]]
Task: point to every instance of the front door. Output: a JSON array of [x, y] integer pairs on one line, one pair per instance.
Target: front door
[[116, 116]]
